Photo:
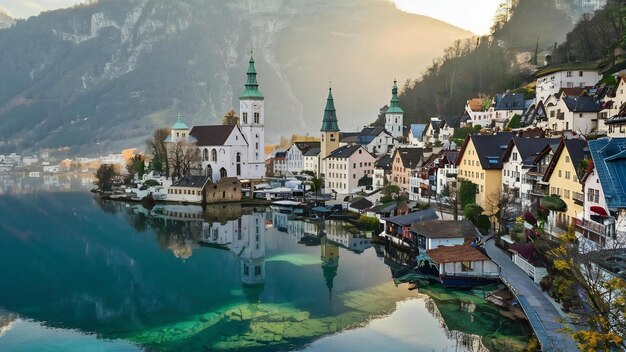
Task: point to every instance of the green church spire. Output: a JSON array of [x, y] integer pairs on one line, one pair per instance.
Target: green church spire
[[329, 124], [394, 106], [252, 87]]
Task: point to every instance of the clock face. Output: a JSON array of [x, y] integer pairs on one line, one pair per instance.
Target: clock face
[[255, 106]]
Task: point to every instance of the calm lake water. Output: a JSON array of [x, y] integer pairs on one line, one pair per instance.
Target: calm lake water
[[80, 274]]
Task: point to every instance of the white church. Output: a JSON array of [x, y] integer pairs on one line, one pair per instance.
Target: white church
[[231, 150]]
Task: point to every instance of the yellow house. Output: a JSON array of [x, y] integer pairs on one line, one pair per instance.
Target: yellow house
[[563, 179], [480, 161]]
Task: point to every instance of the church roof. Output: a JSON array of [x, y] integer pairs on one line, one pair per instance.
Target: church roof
[[329, 124], [394, 106], [211, 135], [180, 125], [252, 87]]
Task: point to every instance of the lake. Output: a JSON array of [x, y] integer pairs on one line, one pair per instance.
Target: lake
[[78, 273]]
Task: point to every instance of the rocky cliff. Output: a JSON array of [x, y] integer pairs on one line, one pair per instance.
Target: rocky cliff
[[102, 76]]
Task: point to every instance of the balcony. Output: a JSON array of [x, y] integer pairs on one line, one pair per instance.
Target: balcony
[[592, 230], [578, 198]]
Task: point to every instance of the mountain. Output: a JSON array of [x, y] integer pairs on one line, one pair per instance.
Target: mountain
[[103, 76], [5, 20]]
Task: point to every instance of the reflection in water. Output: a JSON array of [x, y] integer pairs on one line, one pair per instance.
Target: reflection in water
[[20, 183], [219, 278], [6, 319]]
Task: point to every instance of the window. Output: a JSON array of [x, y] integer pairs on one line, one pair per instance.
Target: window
[[205, 155], [223, 173], [580, 74], [566, 193], [569, 74], [245, 117], [256, 117], [514, 156], [238, 163], [214, 155], [567, 174], [567, 158], [559, 173], [466, 266]]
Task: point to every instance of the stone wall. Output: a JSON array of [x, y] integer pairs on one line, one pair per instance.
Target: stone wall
[[227, 189]]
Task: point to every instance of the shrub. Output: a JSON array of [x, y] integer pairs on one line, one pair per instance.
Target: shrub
[[151, 183], [369, 222]]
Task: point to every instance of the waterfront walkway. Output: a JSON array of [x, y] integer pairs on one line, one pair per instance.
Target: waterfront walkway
[[542, 315]]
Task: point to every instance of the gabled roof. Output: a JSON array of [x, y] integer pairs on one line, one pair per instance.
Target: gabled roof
[[445, 229], [415, 217], [312, 152], [305, 146], [410, 157], [329, 123], [417, 130], [476, 104], [452, 121], [211, 135], [582, 103], [454, 254], [345, 152], [192, 181], [489, 148], [528, 148], [449, 156], [577, 150], [385, 162], [349, 137], [361, 204], [510, 101], [434, 123], [536, 112], [609, 158]]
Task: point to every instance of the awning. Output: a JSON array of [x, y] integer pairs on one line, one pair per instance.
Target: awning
[[600, 211]]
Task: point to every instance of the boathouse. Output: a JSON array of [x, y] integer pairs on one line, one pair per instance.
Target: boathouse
[[432, 234], [463, 266]]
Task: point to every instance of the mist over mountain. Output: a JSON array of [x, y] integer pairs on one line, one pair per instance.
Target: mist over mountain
[[103, 76], [5, 20]]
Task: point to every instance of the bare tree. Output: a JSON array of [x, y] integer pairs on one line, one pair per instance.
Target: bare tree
[[498, 206], [157, 147], [183, 157]]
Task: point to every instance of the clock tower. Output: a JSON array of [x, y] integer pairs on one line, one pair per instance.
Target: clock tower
[[330, 130], [252, 120], [395, 114]]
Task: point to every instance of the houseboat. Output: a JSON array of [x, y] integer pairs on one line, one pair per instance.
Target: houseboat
[[463, 266]]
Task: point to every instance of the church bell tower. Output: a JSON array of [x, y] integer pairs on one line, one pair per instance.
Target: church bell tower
[[252, 124]]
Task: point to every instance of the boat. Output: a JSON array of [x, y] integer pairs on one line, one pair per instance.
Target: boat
[[33, 174], [287, 207]]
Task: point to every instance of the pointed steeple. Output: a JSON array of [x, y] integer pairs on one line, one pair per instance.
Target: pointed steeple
[[394, 106], [252, 87], [329, 124]]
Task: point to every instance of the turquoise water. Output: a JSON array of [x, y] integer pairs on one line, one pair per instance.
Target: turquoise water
[[81, 274]]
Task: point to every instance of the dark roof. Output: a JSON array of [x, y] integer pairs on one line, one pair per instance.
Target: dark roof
[[573, 92], [577, 149], [372, 131], [452, 121], [211, 135], [609, 159], [536, 112], [526, 251], [345, 152], [510, 101], [385, 162], [449, 155], [304, 146], [528, 148], [349, 137], [583, 103], [489, 148], [445, 229], [410, 157], [434, 124], [453, 254], [361, 204], [191, 181], [415, 217], [312, 152]]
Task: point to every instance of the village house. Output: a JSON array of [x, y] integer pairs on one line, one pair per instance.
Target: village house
[[517, 161], [575, 113], [446, 170], [551, 80], [535, 115], [345, 166], [480, 162], [375, 140], [382, 171], [416, 135], [563, 177], [312, 160], [189, 189], [404, 161], [447, 127], [398, 228], [295, 156], [463, 266], [279, 163], [613, 104], [431, 132], [432, 234], [478, 112], [507, 105], [603, 225], [422, 182]]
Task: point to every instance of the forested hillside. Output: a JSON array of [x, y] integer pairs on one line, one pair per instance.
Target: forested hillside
[[490, 64]]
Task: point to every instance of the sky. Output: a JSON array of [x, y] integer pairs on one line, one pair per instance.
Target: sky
[[473, 15]]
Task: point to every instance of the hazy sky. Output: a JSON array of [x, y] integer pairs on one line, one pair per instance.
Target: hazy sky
[[473, 15]]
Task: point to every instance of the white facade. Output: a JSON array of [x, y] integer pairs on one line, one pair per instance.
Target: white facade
[[378, 179], [294, 159], [611, 108], [382, 143], [478, 117], [311, 163], [561, 118], [343, 173], [229, 159], [252, 114], [393, 124], [445, 176], [552, 83], [512, 172]]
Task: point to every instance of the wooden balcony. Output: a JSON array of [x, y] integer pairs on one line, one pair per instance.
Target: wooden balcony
[[578, 198], [592, 230]]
